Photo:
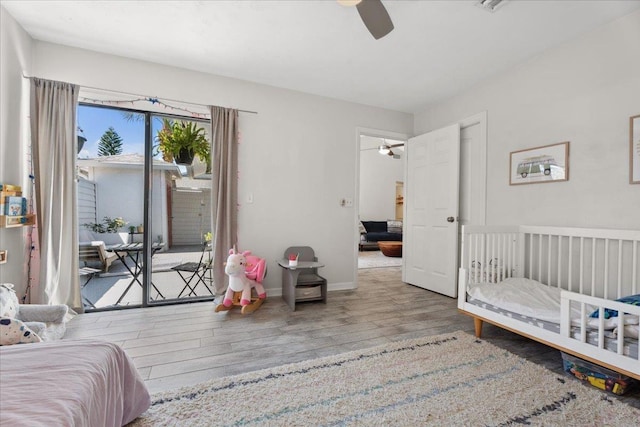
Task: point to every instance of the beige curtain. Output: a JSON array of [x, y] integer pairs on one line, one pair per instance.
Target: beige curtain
[[53, 136], [224, 189]]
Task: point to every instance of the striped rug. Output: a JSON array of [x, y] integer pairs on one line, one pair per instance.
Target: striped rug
[[444, 380]]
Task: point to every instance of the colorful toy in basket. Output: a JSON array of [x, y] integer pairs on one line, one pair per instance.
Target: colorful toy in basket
[[246, 273], [597, 376]]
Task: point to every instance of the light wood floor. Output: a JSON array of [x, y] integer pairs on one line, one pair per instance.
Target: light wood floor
[[182, 345]]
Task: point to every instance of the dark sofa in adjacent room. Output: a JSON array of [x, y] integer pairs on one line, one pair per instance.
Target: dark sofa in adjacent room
[[372, 232]]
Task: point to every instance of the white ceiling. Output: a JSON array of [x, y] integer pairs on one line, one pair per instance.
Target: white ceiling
[[437, 49]]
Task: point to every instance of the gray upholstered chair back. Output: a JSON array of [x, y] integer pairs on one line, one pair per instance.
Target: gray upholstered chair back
[[306, 253]]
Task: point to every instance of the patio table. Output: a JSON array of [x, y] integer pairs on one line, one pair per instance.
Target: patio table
[[133, 251]]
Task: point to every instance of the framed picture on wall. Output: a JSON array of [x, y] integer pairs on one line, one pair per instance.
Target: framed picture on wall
[[634, 150], [549, 163]]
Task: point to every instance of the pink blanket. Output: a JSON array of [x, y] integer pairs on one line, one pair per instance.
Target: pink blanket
[[69, 383]]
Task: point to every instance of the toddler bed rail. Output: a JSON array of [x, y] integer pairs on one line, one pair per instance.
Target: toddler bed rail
[[590, 267]]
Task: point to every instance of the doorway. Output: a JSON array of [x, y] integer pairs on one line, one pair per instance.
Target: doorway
[[379, 178], [472, 180]]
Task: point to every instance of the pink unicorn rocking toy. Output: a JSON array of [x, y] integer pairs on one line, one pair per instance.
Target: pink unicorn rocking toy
[[246, 273]]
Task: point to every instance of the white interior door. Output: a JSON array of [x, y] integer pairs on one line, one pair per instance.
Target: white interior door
[[430, 246]]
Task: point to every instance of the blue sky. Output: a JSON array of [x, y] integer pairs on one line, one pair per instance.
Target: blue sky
[[94, 121]]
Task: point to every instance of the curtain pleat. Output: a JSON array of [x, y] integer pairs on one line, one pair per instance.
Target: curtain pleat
[[224, 189], [53, 136]]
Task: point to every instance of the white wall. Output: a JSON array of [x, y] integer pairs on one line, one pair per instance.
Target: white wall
[[15, 59], [120, 193], [378, 177], [583, 92], [287, 156]]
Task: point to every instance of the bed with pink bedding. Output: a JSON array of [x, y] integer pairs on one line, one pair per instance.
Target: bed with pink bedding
[[69, 383]]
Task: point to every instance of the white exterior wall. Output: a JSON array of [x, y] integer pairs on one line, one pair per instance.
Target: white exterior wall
[[583, 92], [120, 193], [287, 155], [15, 60]]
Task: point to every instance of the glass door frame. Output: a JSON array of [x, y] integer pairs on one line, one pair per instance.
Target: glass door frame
[[147, 235]]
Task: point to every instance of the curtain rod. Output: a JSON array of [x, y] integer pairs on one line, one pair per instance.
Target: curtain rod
[[145, 96]]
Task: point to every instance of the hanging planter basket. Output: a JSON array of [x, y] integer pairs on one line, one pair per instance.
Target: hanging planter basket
[[81, 141], [182, 140], [184, 157]]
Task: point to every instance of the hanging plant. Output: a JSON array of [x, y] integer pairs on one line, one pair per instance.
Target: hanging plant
[[182, 141]]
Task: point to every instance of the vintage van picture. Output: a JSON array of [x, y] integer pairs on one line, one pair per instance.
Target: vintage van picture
[[536, 164], [541, 164]]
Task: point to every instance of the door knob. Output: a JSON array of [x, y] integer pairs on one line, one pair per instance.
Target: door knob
[[450, 219]]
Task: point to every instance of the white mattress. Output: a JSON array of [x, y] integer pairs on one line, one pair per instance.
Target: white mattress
[[533, 299], [524, 296]]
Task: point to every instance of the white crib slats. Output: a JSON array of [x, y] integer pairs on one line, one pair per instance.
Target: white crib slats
[[490, 256], [570, 270], [549, 259], [601, 336], [472, 258], [530, 256], [620, 346], [606, 268], [491, 266], [556, 259], [593, 266], [483, 264], [583, 320], [539, 278], [581, 280], [559, 261], [619, 293], [500, 258], [582, 264], [634, 273], [514, 240]]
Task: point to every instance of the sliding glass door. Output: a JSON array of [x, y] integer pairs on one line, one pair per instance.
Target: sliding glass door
[[143, 218]]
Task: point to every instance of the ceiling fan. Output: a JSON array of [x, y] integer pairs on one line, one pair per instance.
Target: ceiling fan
[[373, 14], [387, 149]]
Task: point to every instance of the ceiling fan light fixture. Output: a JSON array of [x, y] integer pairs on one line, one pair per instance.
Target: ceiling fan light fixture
[[384, 149], [490, 5]]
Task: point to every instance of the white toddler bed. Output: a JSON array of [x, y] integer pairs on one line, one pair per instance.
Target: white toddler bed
[[545, 283]]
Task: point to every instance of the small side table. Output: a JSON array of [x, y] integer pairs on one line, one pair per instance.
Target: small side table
[[290, 275]]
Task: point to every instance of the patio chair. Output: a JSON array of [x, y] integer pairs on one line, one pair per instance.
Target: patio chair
[[97, 253], [190, 271]]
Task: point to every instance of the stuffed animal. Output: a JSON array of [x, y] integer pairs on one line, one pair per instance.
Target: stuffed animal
[[235, 268], [46, 321]]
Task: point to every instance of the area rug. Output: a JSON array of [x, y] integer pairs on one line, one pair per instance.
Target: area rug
[[375, 259], [452, 379]]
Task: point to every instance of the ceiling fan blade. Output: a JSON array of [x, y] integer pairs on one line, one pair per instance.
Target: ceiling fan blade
[[375, 18]]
